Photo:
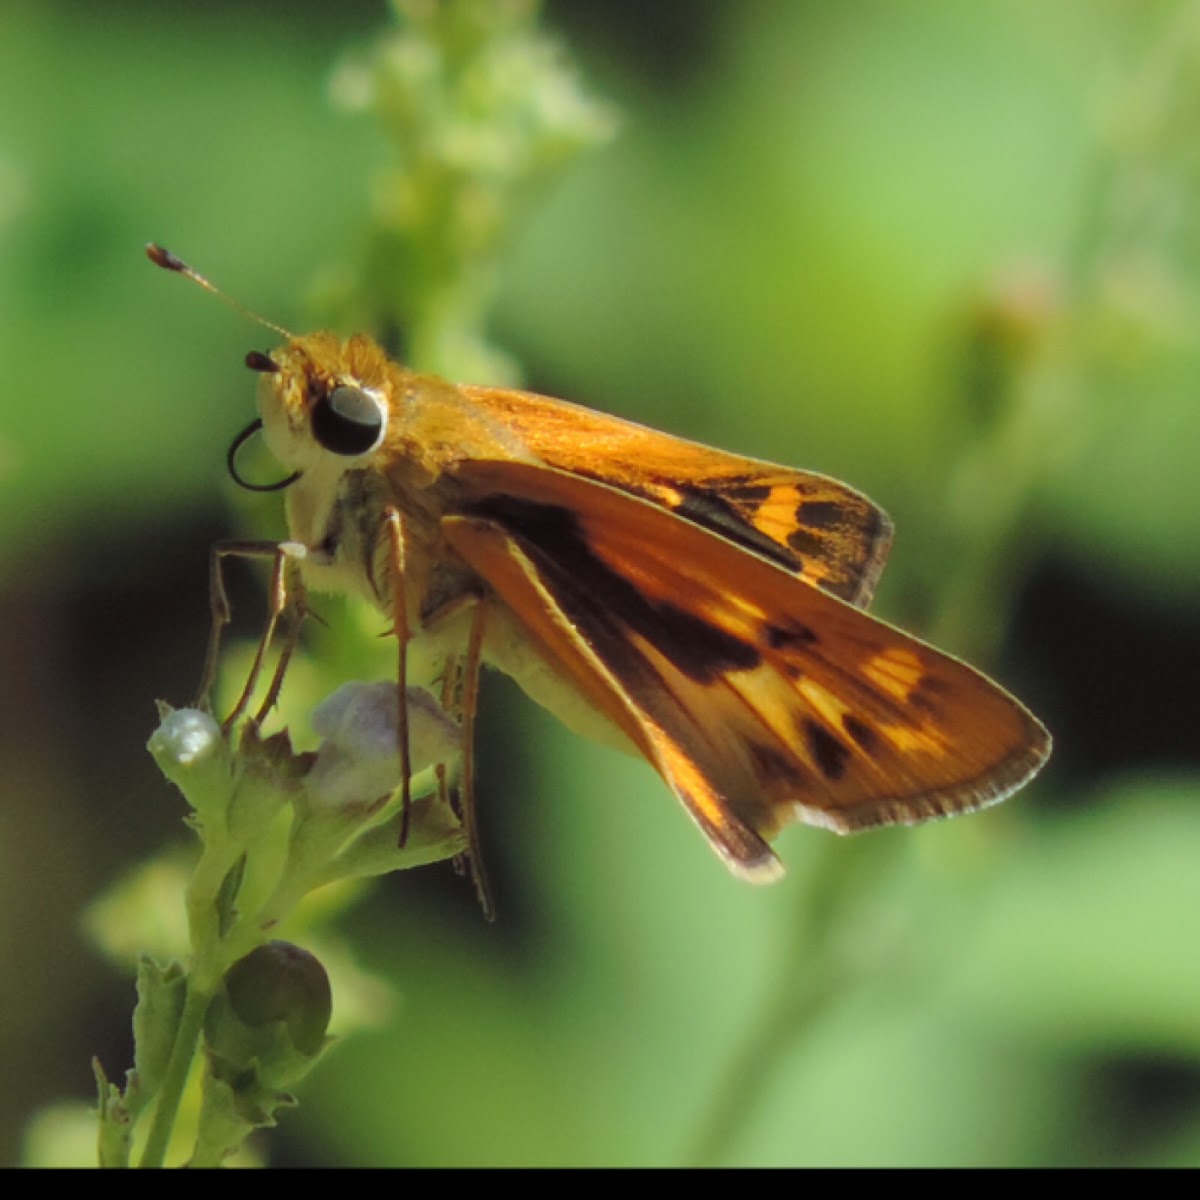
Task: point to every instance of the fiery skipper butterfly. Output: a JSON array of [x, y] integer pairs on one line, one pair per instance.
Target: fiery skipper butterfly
[[700, 609]]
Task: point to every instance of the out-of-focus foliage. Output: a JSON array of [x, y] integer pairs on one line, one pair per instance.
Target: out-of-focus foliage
[[944, 251]]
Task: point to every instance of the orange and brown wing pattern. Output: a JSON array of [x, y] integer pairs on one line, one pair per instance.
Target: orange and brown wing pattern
[[811, 525], [761, 701]]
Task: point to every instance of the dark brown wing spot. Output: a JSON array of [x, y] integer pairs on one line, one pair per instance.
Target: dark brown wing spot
[[806, 541], [829, 754], [925, 695], [790, 636], [772, 766], [713, 512], [604, 602], [848, 537], [820, 514], [697, 648], [860, 733], [752, 494]]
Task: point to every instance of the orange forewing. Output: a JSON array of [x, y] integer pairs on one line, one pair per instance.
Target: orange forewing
[[811, 525], [759, 699]]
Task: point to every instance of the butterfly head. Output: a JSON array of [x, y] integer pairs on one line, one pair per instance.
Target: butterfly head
[[323, 401]]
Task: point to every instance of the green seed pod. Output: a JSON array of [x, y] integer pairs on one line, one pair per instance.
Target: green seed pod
[[281, 982], [267, 1023]]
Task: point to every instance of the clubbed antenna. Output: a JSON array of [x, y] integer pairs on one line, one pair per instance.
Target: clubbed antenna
[[161, 257]]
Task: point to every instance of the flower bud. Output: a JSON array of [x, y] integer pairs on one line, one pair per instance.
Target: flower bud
[[357, 762], [266, 1026], [192, 754], [281, 982], [187, 736]]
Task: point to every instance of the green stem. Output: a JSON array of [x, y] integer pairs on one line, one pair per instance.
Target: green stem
[[179, 1067], [789, 1013], [812, 973], [207, 967]]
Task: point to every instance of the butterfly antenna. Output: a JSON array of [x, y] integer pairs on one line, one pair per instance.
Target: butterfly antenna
[[162, 257]]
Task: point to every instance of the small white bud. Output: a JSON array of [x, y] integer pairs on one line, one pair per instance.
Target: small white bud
[[185, 737], [359, 760], [194, 756]]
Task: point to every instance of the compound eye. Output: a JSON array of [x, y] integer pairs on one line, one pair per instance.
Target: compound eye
[[348, 421]]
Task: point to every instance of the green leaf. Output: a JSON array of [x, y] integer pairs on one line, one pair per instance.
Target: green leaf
[[161, 993], [226, 901]]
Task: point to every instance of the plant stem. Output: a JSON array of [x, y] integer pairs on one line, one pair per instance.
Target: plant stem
[[175, 1079], [206, 969]]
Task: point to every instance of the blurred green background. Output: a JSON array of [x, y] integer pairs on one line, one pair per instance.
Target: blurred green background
[[947, 252]]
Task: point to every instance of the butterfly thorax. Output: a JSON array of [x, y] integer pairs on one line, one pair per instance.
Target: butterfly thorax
[[339, 506]]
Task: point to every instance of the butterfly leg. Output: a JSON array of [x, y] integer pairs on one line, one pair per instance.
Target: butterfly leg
[[393, 523], [296, 605], [460, 695], [472, 666], [284, 555]]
